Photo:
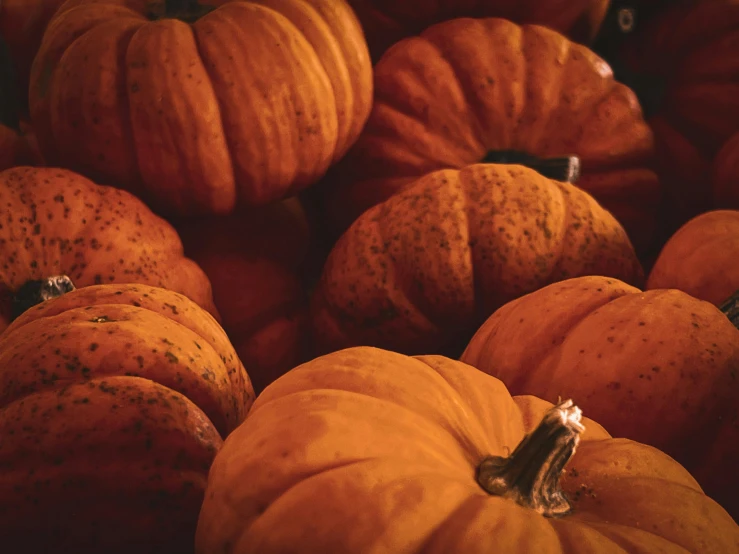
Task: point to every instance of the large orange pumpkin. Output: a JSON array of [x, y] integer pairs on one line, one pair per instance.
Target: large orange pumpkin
[[199, 106], [659, 367], [471, 90], [252, 259], [387, 21], [687, 51], [726, 175], [57, 223], [114, 399], [365, 450], [701, 258], [419, 272]]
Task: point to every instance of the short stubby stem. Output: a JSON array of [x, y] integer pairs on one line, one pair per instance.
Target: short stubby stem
[[731, 308], [37, 291], [565, 168], [530, 475]]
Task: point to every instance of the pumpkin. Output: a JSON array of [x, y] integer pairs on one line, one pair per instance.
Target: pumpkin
[[252, 260], [467, 91], [386, 22], [683, 63], [659, 367], [113, 402], [726, 175], [366, 450], [199, 107], [18, 147], [700, 258], [419, 272], [58, 223]]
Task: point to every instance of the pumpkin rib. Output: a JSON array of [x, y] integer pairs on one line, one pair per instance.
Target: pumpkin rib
[[611, 532]]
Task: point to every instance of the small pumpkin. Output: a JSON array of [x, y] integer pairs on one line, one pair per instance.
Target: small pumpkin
[[659, 367], [419, 272], [114, 399], [197, 107], [58, 223], [366, 450], [386, 22], [726, 175], [473, 90], [700, 258], [252, 260]]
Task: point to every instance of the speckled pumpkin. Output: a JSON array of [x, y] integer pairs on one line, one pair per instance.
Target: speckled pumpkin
[[467, 88], [365, 450], [659, 367], [113, 402], [726, 175], [56, 222], [251, 260], [701, 258], [687, 51], [419, 272], [386, 21], [197, 107]]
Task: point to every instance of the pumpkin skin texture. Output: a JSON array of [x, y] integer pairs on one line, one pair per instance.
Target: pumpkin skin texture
[[199, 117], [57, 222], [113, 402], [658, 367], [386, 22], [726, 175], [401, 438], [421, 271], [252, 260], [464, 88], [700, 258]]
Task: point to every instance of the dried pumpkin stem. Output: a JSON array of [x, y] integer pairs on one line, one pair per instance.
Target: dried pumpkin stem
[[731, 308], [566, 168], [38, 291], [530, 475]]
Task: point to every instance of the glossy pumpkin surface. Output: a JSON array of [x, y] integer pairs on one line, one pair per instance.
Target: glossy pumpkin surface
[[422, 270], [365, 450], [222, 103], [113, 402], [659, 367]]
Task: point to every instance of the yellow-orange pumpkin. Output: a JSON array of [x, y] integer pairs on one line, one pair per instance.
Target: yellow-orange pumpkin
[[726, 175], [385, 22], [701, 258], [55, 222], [467, 89], [420, 272], [114, 399], [197, 107], [659, 367], [365, 450], [252, 259]]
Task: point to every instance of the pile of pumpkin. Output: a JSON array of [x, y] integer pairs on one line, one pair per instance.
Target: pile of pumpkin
[[339, 276]]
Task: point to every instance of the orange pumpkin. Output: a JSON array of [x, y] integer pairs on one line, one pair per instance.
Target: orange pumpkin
[[365, 450], [471, 90], [419, 272], [17, 148], [386, 22], [199, 107], [687, 51], [700, 258], [726, 175], [659, 367], [252, 260], [55, 222], [114, 399]]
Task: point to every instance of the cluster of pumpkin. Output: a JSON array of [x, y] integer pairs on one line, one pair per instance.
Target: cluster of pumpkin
[[316, 275]]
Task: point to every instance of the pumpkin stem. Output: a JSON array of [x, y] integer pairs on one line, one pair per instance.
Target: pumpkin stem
[[731, 308], [565, 169], [530, 475], [188, 11], [37, 291]]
